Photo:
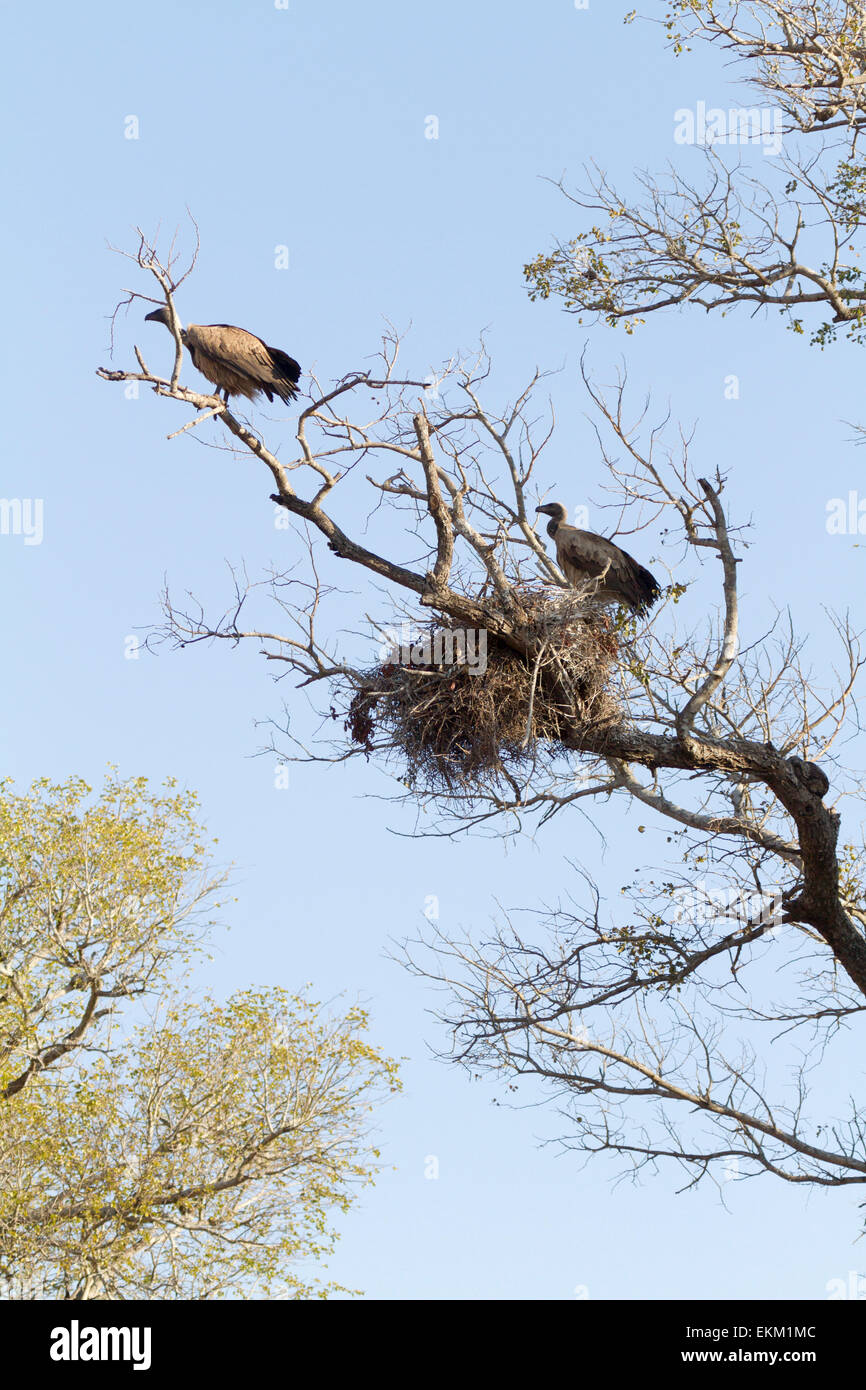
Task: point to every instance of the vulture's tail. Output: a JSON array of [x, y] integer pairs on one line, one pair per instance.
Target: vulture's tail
[[286, 374], [645, 590]]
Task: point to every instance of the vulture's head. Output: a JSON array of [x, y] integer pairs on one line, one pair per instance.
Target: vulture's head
[[555, 510], [159, 315]]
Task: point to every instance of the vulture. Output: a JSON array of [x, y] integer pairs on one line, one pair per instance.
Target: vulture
[[237, 362], [583, 556]]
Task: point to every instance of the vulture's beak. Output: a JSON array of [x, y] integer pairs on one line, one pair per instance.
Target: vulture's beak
[[155, 317], [546, 509]]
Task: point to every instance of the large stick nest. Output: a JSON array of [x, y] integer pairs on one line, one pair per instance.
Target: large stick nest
[[452, 728]]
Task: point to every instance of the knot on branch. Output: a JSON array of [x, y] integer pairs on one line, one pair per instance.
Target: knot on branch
[[810, 776]]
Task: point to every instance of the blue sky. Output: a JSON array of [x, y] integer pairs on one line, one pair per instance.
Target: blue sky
[[306, 127]]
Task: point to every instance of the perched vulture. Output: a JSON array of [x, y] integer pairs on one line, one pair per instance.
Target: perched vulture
[[237, 362], [583, 556]]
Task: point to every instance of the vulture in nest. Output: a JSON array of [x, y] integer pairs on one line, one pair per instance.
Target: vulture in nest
[[237, 362], [583, 556]]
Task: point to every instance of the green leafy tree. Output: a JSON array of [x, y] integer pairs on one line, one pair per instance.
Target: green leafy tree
[[199, 1151]]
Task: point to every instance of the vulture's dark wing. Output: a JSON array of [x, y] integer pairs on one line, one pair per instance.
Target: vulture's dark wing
[[583, 556], [287, 365], [267, 369]]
